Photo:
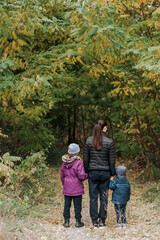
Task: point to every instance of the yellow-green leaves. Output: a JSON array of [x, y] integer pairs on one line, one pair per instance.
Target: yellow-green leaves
[[59, 56]]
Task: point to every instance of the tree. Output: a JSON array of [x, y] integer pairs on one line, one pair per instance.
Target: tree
[[67, 63]]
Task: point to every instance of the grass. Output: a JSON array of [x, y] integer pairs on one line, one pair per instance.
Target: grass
[[21, 208], [13, 206], [152, 194], [30, 205]]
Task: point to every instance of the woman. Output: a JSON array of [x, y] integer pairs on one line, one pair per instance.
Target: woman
[[99, 163]]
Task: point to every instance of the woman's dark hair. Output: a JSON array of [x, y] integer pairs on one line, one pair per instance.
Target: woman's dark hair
[[97, 134]]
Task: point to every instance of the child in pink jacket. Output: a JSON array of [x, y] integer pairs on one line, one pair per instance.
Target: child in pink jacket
[[72, 175]]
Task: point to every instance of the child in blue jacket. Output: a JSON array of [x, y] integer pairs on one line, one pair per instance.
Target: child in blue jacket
[[121, 195]]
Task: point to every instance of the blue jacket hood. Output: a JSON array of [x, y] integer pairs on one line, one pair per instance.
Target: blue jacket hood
[[121, 171]]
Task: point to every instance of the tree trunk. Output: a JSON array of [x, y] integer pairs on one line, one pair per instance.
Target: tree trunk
[[69, 127], [83, 125], [74, 126]]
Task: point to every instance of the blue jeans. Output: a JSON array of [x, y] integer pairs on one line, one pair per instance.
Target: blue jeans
[[98, 185], [120, 212], [77, 200]]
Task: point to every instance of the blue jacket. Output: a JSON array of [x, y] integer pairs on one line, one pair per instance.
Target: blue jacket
[[121, 190]]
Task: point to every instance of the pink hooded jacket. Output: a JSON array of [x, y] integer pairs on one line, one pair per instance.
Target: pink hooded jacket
[[72, 175]]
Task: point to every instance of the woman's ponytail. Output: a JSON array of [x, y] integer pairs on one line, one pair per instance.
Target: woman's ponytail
[[97, 134]]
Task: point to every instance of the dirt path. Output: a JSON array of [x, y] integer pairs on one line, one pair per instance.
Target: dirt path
[[143, 221]]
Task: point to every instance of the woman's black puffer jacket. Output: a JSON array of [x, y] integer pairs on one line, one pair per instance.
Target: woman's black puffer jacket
[[103, 159]]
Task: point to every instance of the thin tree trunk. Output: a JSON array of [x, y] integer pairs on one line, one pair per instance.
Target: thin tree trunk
[[74, 126], [69, 127], [83, 125]]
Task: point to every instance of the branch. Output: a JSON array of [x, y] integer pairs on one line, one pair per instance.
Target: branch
[[118, 79], [144, 17], [3, 48], [131, 14], [96, 60]]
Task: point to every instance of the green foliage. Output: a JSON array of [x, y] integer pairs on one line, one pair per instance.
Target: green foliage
[[156, 172], [54, 155], [125, 55], [28, 178], [2, 136], [6, 167], [64, 64], [8, 160], [28, 184], [7, 77], [27, 30]]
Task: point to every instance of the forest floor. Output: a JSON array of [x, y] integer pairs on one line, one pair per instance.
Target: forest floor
[[143, 219]]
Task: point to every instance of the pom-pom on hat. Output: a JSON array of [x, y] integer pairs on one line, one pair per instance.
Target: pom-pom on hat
[[73, 148]]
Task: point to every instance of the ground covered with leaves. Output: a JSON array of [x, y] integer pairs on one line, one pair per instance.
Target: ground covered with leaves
[[44, 220]]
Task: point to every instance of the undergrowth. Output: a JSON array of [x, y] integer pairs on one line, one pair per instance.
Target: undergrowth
[[54, 156], [14, 207], [29, 189], [152, 194]]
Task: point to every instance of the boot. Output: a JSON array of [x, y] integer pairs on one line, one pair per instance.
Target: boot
[[79, 224], [95, 223], [66, 223], [102, 223]]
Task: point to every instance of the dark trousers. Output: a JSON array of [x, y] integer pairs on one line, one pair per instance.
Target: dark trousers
[[120, 212], [98, 185], [77, 200]]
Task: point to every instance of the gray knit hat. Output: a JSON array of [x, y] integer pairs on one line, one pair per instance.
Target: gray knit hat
[[73, 148]]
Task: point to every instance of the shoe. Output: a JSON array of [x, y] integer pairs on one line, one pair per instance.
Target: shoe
[[66, 223], [118, 226], [79, 224], [102, 223], [123, 225], [95, 224]]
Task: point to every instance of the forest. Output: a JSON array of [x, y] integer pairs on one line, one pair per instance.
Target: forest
[[64, 64]]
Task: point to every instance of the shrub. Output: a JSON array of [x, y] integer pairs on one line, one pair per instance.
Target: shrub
[[28, 176], [156, 172], [54, 155], [6, 167]]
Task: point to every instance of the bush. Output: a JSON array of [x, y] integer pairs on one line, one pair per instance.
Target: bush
[[29, 184], [54, 156], [156, 172], [28, 177], [6, 167]]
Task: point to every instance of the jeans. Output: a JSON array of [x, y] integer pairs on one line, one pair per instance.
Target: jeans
[[98, 185], [77, 200], [120, 212]]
